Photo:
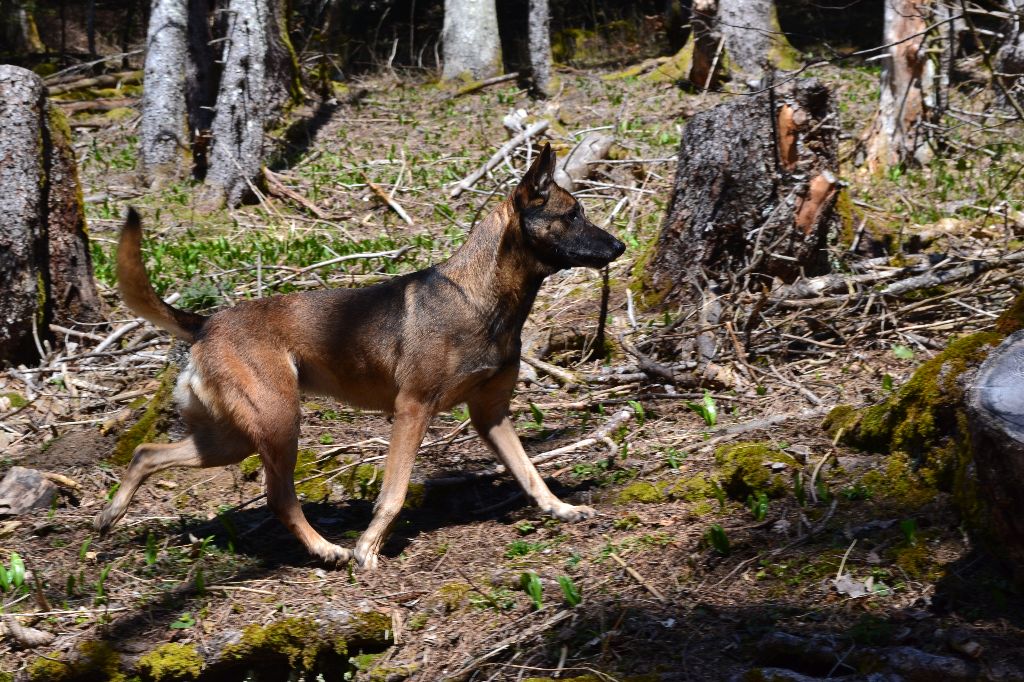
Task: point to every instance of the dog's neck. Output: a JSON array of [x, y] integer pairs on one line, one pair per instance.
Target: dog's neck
[[497, 268]]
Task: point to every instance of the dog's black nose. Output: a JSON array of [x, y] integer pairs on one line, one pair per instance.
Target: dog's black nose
[[618, 248]]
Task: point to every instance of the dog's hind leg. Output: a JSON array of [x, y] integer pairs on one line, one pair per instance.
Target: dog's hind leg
[[279, 462], [205, 448], [411, 420], [489, 412]]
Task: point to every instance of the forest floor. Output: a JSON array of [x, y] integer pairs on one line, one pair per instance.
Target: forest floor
[[681, 575]]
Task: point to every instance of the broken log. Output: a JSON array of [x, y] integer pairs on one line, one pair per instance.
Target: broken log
[[23, 490]]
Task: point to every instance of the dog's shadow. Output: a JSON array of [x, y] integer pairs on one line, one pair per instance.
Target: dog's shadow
[[256, 533]]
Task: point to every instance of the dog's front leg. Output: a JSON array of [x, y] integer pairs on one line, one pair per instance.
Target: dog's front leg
[[411, 419], [489, 412]]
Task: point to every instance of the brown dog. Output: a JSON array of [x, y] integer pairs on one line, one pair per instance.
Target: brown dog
[[413, 346]]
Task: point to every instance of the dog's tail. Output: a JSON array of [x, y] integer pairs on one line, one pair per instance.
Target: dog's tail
[[137, 291]]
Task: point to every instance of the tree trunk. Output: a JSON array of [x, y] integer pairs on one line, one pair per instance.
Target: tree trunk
[[753, 36], [164, 130], [471, 41], [539, 47], [45, 270], [18, 32], [735, 37], [995, 408], [1010, 58], [259, 77], [897, 136], [754, 193]]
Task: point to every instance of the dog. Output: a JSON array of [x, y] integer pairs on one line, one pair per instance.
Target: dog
[[413, 346]]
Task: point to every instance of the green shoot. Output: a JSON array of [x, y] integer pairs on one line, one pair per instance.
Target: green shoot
[[638, 410], [184, 622], [706, 408], [538, 414], [717, 539], [758, 506], [570, 592], [531, 585], [909, 529], [151, 549], [674, 457]]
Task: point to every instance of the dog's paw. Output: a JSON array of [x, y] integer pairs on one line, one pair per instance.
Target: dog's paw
[[568, 512], [333, 555], [104, 521], [367, 561]]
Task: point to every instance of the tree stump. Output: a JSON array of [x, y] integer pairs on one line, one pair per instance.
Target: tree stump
[[995, 409], [45, 267], [754, 193]]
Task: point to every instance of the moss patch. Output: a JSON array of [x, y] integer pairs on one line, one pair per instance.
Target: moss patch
[[16, 399], [451, 596], [744, 470], [151, 423], [300, 640], [642, 491], [95, 660], [370, 629], [171, 662]]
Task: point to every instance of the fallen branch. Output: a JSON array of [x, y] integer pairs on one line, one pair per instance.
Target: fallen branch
[[600, 435], [97, 104], [394, 205], [579, 163], [937, 278], [560, 375], [487, 82], [106, 80], [637, 577], [278, 189], [506, 149]]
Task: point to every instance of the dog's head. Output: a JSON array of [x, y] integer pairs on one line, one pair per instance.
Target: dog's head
[[556, 229]]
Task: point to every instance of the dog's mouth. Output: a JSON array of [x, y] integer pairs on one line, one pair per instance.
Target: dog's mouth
[[598, 255]]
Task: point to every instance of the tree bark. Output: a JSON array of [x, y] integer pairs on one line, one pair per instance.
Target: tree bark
[[995, 408], [470, 38], [897, 136], [754, 193], [45, 269], [18, 32], [1009, 61], [259, 77], [753, 36], [539, 47], [164, 129]]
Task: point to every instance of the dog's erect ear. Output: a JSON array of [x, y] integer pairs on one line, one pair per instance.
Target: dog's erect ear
[[535, 187]]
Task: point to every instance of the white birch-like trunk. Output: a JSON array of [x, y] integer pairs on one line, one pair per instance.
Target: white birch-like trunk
[[470, 38], [539, 46], [254, 85], [164, 129], [897, 135], [752, 36]]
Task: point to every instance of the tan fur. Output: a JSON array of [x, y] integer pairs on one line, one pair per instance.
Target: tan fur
[[416, 345]]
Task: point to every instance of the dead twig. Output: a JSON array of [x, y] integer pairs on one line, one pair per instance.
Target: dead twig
[[506, 149]]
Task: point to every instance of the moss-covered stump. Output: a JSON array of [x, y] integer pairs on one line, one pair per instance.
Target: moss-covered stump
[[995, 409], [924, 428], [751, 469]]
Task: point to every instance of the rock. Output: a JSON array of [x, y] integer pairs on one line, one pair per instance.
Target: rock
[[25, 489]]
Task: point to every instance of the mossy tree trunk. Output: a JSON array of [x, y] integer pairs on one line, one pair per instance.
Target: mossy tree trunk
[[470, 38], [737, 38], [260, 76], [18, 32], [45, 269], [753, 37], [897, 135], [754, 193]]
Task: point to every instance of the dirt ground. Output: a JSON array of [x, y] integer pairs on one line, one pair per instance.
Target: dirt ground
[[678, 576]]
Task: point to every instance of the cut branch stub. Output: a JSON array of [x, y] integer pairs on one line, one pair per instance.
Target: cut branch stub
[[754, 194], [995, 407]]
